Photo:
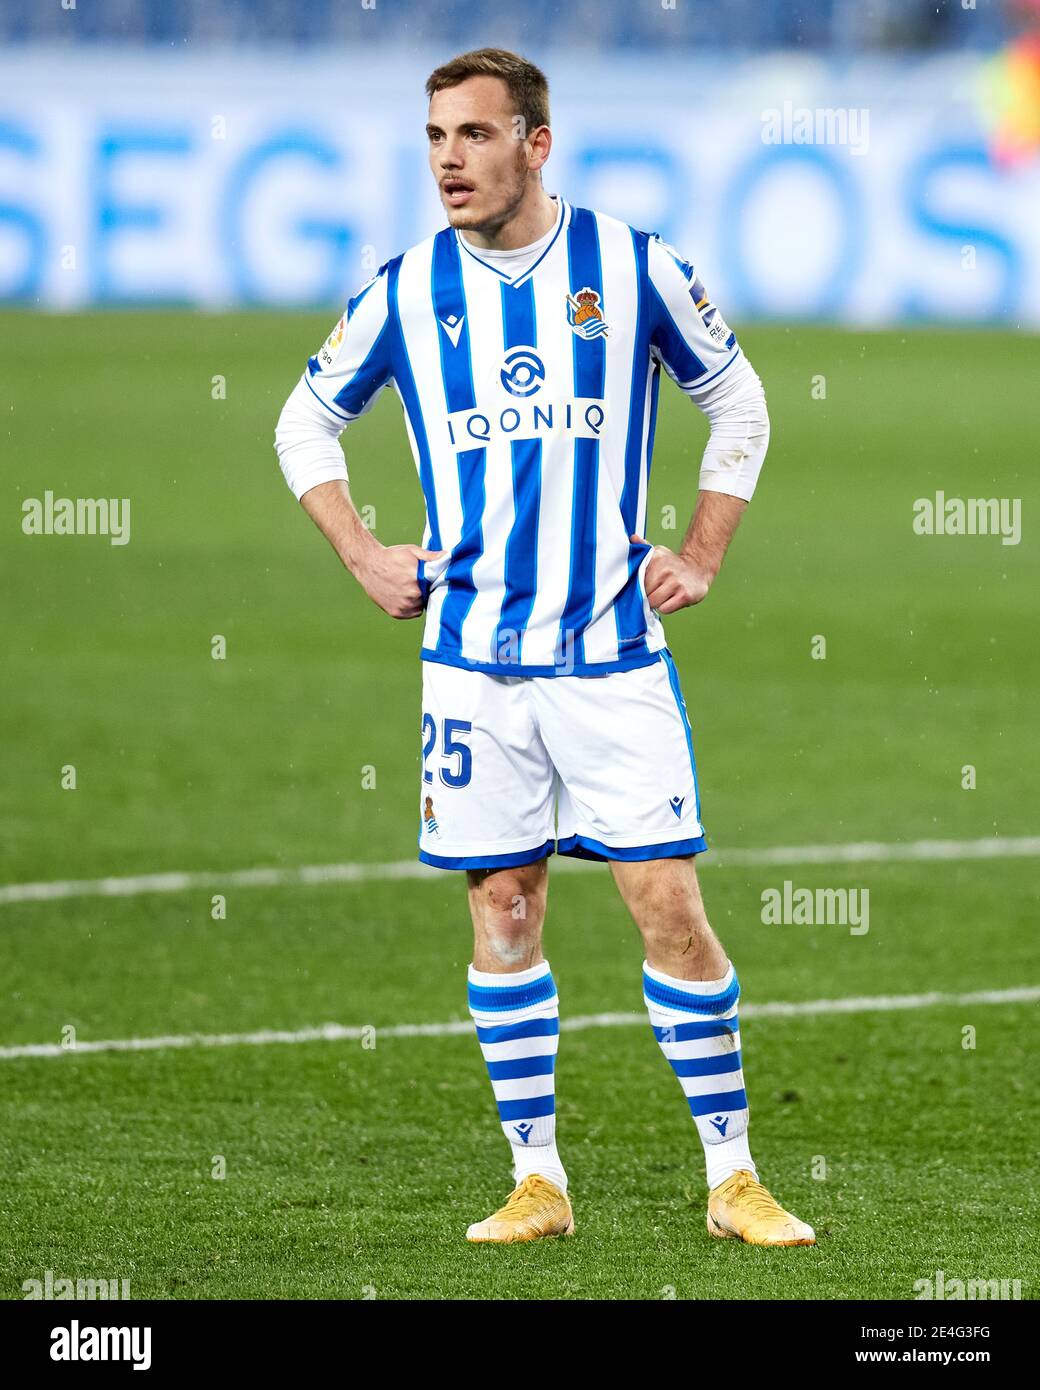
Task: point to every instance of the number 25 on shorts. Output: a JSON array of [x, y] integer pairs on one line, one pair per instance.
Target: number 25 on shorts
[[452, 747]]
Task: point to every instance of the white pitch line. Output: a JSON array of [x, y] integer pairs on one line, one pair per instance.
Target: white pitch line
[[875, 851], [336, 1032], [861, 852]]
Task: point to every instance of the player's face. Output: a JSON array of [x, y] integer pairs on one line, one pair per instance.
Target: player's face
[[476, 155]]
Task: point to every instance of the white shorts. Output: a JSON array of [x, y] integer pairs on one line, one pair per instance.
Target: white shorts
[[515, 767]]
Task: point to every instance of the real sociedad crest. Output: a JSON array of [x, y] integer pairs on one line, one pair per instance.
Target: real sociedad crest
[[584, 314]]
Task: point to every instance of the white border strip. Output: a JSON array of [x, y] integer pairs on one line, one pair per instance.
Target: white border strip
[[862, 852], [336, 1032]]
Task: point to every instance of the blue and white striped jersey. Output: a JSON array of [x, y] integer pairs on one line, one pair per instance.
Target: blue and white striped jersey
[[530, 404]]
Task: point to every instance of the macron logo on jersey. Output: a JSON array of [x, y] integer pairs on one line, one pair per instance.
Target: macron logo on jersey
[[452, 325]]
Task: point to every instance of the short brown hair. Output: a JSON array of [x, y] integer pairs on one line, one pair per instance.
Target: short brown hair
[[528, 89]]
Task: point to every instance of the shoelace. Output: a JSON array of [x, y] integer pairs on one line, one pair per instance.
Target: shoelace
[[757, 1199], [524, 1201]]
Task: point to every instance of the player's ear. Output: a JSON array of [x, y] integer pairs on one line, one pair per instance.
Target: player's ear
[[540, 146]]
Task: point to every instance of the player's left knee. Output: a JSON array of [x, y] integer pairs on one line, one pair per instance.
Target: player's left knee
[[677, 930], [666, 900]]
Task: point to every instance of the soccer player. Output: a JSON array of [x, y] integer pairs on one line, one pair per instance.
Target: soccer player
[[525, 341]]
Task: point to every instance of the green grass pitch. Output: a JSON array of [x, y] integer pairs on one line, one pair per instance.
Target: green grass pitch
[[350, 1171]]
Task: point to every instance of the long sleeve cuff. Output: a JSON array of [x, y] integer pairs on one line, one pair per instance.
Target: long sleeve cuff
[[307, 443], [736, 448]]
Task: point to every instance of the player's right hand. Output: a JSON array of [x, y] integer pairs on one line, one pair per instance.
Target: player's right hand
[[390, 577]]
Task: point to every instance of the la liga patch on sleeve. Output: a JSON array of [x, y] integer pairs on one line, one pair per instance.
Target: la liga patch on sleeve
[[329, 350]]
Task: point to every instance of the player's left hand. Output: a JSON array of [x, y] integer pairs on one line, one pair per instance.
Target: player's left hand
[[673, 581]]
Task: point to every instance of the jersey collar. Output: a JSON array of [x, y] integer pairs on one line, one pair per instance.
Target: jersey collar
[[562, 221]]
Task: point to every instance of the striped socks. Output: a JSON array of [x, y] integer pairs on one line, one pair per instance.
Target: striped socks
[[695, 1022], [517, 1017]]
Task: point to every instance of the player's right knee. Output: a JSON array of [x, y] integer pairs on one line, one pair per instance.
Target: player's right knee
[[517, 894], [511, 949]]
